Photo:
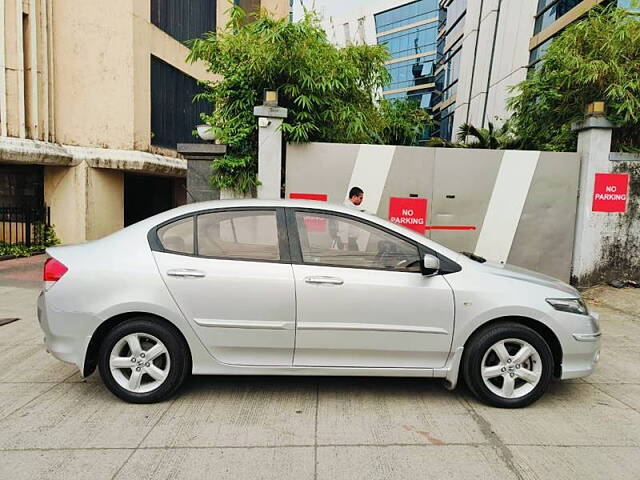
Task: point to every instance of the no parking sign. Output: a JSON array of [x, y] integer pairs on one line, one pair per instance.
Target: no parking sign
[[409, 212], [610, 192]]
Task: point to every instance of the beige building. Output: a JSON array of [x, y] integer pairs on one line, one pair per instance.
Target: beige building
[[94, 97]]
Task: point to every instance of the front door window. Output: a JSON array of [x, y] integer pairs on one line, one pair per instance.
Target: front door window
[[344, 242]]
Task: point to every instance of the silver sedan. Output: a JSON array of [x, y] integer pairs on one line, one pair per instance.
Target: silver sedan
[[305, 288]]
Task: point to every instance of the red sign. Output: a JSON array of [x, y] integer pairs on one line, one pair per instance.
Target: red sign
[[313, 224], [409, 212], [610, 192], [320, 197]]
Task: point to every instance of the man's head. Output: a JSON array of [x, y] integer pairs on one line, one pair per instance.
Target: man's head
[[356, 195]]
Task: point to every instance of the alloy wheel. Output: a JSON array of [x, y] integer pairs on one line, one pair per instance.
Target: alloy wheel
[[139, 362], [511, 368]]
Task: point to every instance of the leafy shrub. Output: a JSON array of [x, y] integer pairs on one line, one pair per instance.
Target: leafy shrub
[[595, 59], [332, 94]]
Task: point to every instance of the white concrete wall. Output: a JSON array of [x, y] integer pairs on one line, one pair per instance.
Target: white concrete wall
[[511, 206], [607, 245]]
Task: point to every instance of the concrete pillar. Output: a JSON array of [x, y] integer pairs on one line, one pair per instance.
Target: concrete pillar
[[65, 192], [86, 203], [269, 150], [199, 157], [199, 188], [594, 146], [105, 202]]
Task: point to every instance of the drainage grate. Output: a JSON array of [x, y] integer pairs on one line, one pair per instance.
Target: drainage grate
[[6, 321]]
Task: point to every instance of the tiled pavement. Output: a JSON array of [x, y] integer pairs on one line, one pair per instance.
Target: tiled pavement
[[55, 425]]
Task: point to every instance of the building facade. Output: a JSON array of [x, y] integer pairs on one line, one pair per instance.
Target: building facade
[[94, 98], [409, 30], [488, 46], [483, 51], [459, 58]]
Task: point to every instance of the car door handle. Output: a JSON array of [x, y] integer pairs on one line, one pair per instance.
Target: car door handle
[[186, 272], [324, 280]]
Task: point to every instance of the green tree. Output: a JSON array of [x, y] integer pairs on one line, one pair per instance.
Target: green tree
[[403, 122], [470, 136], [596, 59], [331, 93], [492, 138]]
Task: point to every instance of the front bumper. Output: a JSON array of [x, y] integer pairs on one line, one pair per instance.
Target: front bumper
[[581, 351]]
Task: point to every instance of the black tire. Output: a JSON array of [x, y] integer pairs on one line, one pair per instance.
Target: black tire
[[178, 357], [482, 342]]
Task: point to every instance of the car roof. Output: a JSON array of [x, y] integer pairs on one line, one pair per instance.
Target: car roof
[[190, 208], [253, 202]]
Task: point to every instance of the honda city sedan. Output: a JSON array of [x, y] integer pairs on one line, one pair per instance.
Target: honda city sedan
[[251, 287]]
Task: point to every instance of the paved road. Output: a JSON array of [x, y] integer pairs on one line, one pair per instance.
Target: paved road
[[55, 425]]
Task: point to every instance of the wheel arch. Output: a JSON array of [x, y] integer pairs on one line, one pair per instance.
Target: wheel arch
[[93, 348], [540, 328]]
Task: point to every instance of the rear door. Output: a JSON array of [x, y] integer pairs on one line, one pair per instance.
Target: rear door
[[362, 300], [230, 274]]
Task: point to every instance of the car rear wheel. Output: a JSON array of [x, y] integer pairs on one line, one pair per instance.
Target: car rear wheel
[[508, 365], [143, 360]]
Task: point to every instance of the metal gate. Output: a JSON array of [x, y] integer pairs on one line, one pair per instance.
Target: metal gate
[[515, 207], [24, 225]]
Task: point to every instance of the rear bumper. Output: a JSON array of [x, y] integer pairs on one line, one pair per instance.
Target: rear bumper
[[61, 337]]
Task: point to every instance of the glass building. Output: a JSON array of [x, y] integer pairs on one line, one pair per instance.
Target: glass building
[[450, 33], [410, 33], [425, 41], [551, 11]]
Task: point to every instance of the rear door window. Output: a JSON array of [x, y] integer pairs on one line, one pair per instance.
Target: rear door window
[[177, 236], [239, 234]]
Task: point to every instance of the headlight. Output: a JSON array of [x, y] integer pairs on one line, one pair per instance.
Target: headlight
[[569, 305]]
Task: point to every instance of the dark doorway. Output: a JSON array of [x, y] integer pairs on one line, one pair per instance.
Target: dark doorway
[[145, 196], [21, 185]]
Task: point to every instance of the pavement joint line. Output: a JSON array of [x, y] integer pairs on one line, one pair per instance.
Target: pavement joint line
[[8, 320], [501, 449], [273, 447], [53, 385], [315, 434], [611, 383], [117, 472], [610, 395], [39, 383]]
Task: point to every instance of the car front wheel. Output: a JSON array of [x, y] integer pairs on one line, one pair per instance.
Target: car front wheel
[[508, 365], [143, 361]]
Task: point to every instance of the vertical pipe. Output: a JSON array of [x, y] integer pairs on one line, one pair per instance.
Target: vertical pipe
[[493, 52], [3, 77], [44, 30], [33, 57], [475, 56], [20, 68], [26, 236], [50, 71]]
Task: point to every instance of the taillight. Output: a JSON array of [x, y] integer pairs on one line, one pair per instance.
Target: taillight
[[53, 270]]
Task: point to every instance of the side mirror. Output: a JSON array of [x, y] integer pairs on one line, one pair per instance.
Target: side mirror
[[430, 265]]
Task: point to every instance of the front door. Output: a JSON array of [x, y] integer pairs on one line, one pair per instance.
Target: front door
[[361, 298], [230, 275]]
